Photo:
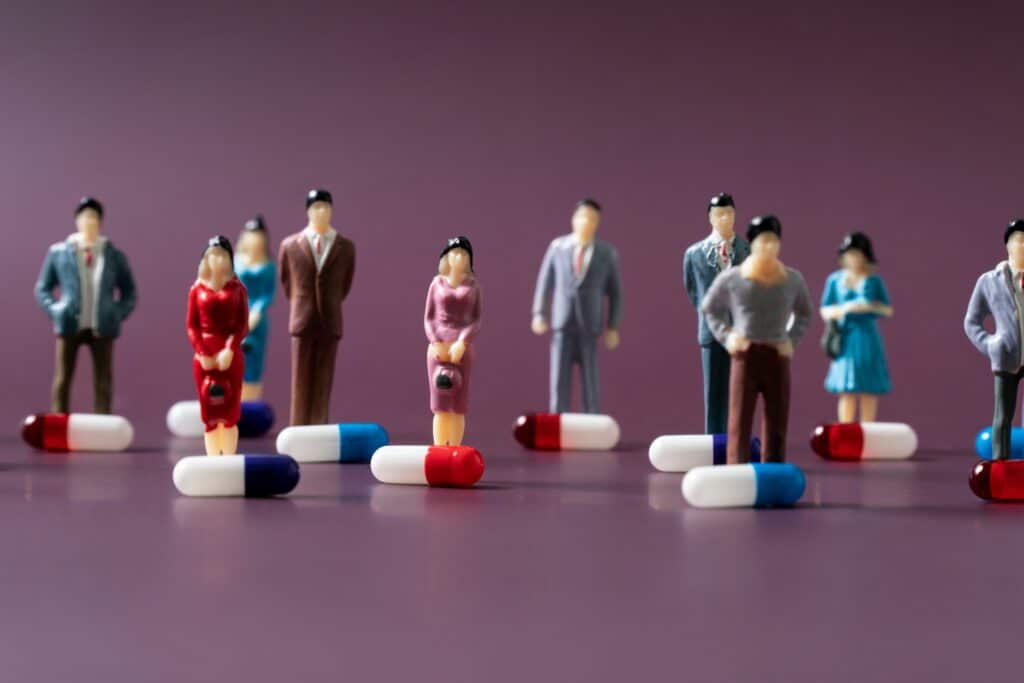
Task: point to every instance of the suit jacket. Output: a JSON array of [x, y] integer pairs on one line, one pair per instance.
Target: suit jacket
[[315, 297], [574, 301], [700, 268], [60, 269], [994, 296]]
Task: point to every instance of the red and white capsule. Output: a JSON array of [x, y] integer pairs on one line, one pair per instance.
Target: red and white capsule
[[460, 466], [864, 441], [567, 432], [77, 432]]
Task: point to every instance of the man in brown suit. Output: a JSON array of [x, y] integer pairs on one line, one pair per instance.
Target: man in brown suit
[[316, 266]]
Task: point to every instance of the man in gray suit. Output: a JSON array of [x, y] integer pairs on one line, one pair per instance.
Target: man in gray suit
[[998, 293], [89, 271], [702, 263], [578, 273]]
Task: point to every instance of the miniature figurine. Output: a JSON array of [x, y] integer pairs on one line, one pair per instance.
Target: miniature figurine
[[451, 321], [702, 263], [217, 322], [258, 273], [854, 298], [97, 293], [748, 309], [316, 266], [578, 273]]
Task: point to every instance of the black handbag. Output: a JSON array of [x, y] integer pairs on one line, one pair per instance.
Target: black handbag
[[832, 340]]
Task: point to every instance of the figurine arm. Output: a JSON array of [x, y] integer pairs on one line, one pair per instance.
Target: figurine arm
[[264, 294], [545, 283], [241, 318], [803, 311], [977, 311], [613, 289], [127, 296], [282, 258], [45, 284], [195, 337], [470, 331], [717, 310], [430, 314], [350, 273], [690, 280]]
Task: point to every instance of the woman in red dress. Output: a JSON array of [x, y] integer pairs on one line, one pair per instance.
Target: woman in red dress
[[218, 320]]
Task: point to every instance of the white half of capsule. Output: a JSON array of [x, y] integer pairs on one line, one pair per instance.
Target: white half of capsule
[[725, 486], [588, 432], [90, 432], [210, 475], [682, 452], [888, 440], [400, 464], [310, 443], [185, 420]]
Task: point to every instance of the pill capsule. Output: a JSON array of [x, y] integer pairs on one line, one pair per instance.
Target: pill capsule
[[252, 476], [1000, 480], [346, 442], [429, 465], [683, 452], [864, 441], [567, 432], [77, 432], [184, 420], [769, 484], [983, 444]]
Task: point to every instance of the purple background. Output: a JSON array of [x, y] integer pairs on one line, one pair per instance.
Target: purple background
[[432, 119]]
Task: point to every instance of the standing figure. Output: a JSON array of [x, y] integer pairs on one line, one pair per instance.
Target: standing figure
[[451, 321], [578, 274], [97, 293], [702, 263], [748, 309], [217, 321], [854, 298], [317, 265], [257, 272], [998, 293]]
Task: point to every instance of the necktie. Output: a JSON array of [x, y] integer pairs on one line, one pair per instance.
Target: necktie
[[318, 246], [579, 260], [88, 257], [724, 254]]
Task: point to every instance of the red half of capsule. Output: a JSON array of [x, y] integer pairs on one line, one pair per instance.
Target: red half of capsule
[[540, 431], [998, 480], [46, 431], [453, 466], [838, 441]]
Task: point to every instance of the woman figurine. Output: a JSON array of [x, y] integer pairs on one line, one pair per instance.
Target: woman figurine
[[217, 321], [452, 320], [855, 297], [257, 272]]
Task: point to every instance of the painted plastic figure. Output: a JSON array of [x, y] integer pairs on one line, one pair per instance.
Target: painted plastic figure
[[578, 274], [855, 297], [97, 293], [258, 273], [451, 321], [217, 322], [748, 309], [316, 267], [702, 263]]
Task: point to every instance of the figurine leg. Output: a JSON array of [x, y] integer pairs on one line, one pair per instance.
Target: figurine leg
[[868, 407], [313, 358], [67, 353], [589, 375], [229, 440], [323, 379], [211, 440], [774, 383], [847, 408], [715, 362], [1005, 408], [742, 400], [102, 349], [561, 371], [252, 391]]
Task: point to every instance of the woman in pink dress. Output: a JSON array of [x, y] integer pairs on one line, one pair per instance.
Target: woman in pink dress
[[217, 321], [451, 321]]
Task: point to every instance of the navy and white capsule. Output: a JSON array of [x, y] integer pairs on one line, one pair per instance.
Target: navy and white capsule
[[346, 442], [769, 484], [983, 444], [251, 476], [184, 419], [683, 452]]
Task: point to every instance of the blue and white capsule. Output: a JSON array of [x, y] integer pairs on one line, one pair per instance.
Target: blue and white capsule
[[983, 444], [346, 442], [769, 484], [251, 476], [683, 452]]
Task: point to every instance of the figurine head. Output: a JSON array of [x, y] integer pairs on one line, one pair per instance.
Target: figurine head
[[319, 204], [88, 218], [1013, 237], [585, 219], [253, 242], [217, 264], [722, 214], [856, 252], [765, 236], [457, 256]]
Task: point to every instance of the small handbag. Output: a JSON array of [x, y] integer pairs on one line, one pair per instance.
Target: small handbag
[[832, 340]]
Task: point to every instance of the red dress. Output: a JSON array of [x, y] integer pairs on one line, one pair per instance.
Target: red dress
[[212, 318]]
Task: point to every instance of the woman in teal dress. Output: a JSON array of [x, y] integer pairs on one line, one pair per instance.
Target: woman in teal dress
[[855, 297], [256, 270]]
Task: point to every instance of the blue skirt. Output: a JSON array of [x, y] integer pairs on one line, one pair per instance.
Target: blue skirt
[[861, 367]]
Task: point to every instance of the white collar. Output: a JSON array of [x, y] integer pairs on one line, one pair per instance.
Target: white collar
[[75, 239], [717, 239], [313, 234]]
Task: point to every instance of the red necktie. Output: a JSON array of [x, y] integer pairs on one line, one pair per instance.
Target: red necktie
[[579, 261], [318, 245], [724, 259], [88, 257]]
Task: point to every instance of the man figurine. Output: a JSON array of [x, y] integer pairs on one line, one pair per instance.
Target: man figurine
[[702, 263], [316, 266], [998, 294], [748, 309], [578, 273], [97, 293]]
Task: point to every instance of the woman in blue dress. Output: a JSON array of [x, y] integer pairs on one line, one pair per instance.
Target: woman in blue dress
[[256, 270], [855, 297]]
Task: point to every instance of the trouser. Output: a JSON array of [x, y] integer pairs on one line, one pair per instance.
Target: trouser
[[568, 348], [313, 358], [1005, 408], [715, 362], [102, 350], [761, 369]]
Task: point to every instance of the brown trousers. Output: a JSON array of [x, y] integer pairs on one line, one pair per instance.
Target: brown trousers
[[758, 370], [313, 357], [102, 349]]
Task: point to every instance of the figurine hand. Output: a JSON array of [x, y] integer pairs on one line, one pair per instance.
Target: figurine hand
[[832, 312], [456, 351], [736, 342], [785, 349], [205, 362], [224, 359], [438, 350], [611, 339], [539, 325], [254, 319]]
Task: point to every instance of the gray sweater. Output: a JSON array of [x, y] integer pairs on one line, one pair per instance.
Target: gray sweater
[[758, 312]]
